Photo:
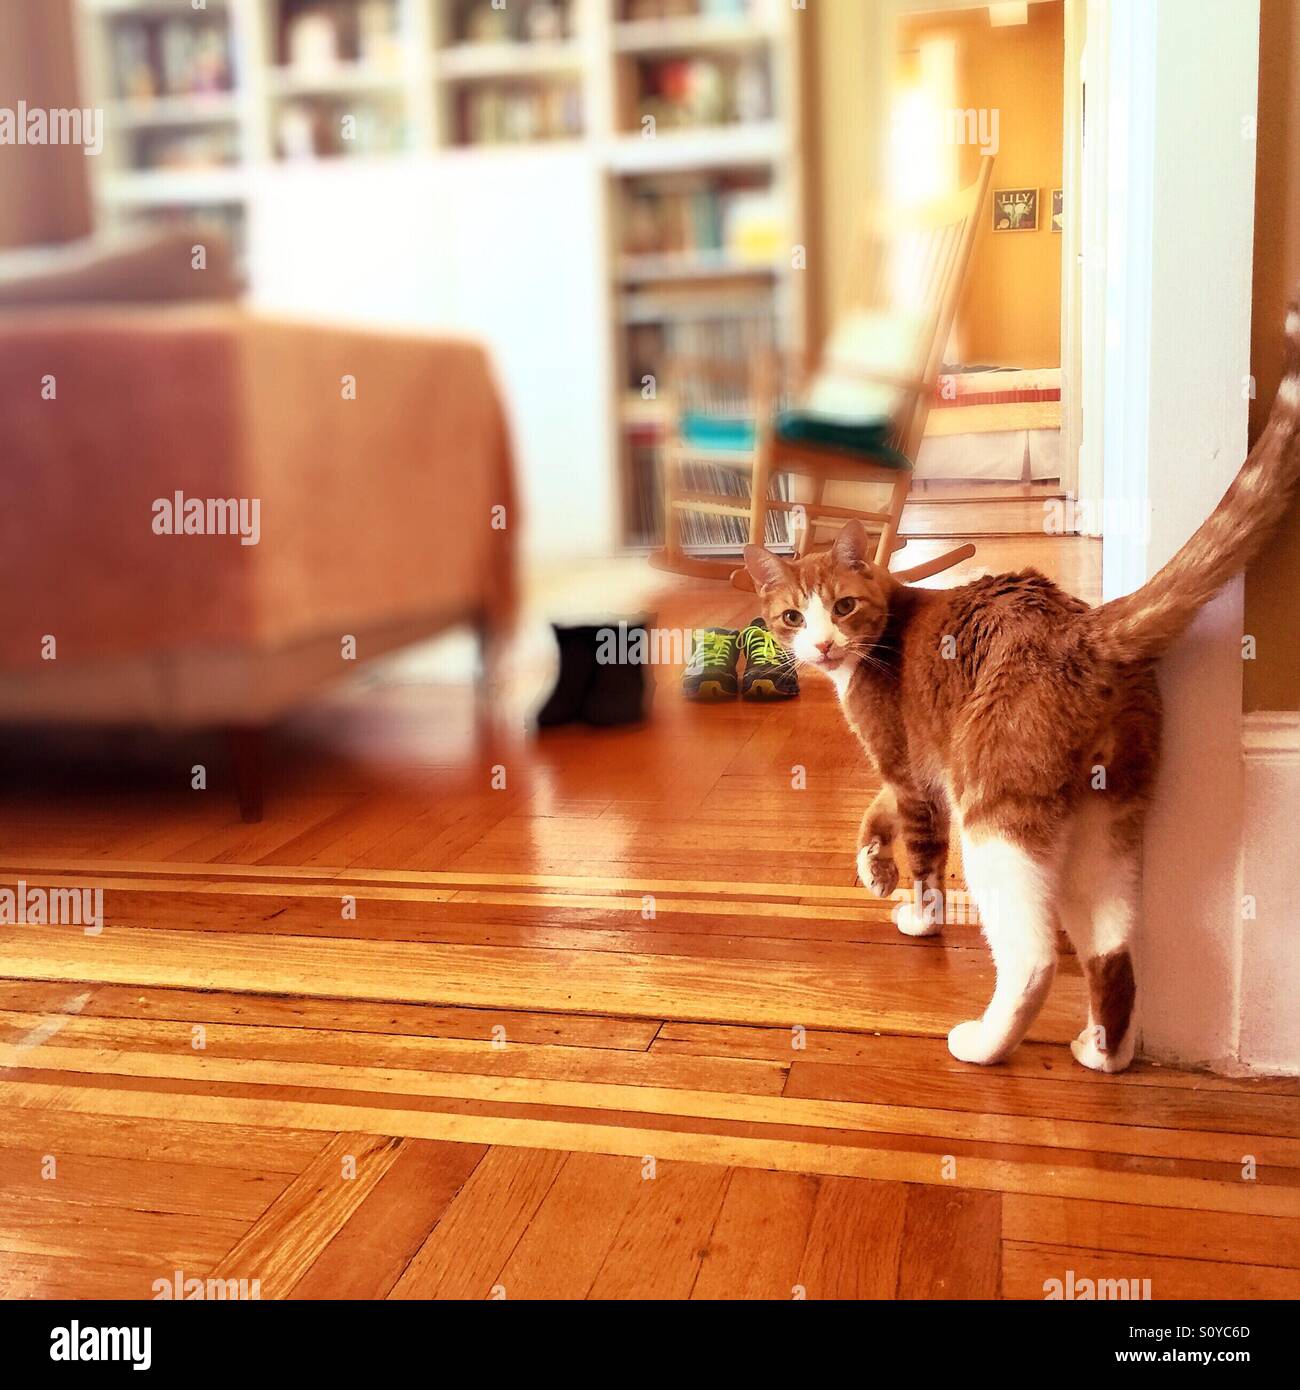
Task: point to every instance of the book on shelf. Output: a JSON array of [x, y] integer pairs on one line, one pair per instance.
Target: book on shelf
[[683, 93], [182, 147], [185, 54], [497, 113], [652, 349], [702, 217], [521, 21], [637, 11], [317, 36]]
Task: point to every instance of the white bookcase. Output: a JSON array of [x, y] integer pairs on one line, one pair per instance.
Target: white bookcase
[[486, 149]]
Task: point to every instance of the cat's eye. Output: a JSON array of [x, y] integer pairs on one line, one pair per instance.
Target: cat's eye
[[792, 617], [845, 606]]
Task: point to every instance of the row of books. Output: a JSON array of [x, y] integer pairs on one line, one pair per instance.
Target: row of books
[[185, 55], [521, 21], [324, 127], [738, 338], [494, 114], [679, 93], [644, 504], [700, 216], [199, 147], [635, 10], [316, 35]]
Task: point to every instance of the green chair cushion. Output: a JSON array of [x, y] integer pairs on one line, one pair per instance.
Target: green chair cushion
[[865, 439]]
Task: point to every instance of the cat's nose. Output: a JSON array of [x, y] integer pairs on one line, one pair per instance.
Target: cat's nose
[[825, 647]]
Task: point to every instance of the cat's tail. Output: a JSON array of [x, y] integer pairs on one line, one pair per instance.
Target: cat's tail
[[1142, 624]]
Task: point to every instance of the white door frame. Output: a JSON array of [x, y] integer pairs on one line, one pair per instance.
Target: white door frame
[[1176, 204]]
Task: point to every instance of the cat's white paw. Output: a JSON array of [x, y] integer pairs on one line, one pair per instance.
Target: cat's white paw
[[1088, 1054], [913, 923], [970, 1042], [878, 873]]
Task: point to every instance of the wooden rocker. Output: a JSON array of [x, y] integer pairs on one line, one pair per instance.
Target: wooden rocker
[[862, 413]]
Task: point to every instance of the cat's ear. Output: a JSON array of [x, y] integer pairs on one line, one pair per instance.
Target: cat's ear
[[850, 547], [764, 567]]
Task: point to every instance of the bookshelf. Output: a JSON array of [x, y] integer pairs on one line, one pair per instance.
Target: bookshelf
[[691, 247]]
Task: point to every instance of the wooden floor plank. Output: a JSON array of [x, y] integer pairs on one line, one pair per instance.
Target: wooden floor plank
[[351, 1015], [475, 1057], [277, 1150], [951, 1245], [1120, 1227], [372, 1249], [566, 1242], [758, 1243], [465, 1253], [855, 1240], [660, 1244], [1174, 1108], [889, 1052], [240, 1193], [1033, 1172], [154, 1243], [279, 1248], [949, 1125], [918, 992]]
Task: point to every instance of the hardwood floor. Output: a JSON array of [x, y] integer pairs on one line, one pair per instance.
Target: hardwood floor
[[622, 1027]]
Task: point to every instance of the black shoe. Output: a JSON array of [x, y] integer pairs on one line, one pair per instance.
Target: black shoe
[[619, 692], [577, 671], [769, 668]]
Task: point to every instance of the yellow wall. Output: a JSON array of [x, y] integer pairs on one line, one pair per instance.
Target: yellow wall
[[1272, 680], [1011, 313]]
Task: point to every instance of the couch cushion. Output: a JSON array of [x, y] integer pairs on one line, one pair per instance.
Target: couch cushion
[[137, 266]]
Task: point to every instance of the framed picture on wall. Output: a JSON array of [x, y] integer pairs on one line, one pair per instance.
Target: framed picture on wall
[[1058, 209], [1015, 209]]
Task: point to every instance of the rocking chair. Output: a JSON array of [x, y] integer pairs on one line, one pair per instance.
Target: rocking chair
[[862, 413]]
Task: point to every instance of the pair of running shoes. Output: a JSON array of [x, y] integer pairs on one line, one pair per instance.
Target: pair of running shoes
[[714, 673]]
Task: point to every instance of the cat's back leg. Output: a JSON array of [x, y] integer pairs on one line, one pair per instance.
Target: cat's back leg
[[1013, 875], [1098, 909]]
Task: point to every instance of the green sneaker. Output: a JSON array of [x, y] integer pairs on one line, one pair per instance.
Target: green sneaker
[[711, 673], [769, 668]]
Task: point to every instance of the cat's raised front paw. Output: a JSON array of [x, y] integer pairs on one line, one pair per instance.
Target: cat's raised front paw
[[970, 1042], [877, 873]]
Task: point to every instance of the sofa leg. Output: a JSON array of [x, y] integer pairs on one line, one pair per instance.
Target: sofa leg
[[247, 746]]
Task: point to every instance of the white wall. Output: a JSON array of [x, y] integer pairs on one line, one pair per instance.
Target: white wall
[[1179, 198], [507, 247]]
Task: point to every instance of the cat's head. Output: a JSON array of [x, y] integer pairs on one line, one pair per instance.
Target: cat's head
[[827, 609]]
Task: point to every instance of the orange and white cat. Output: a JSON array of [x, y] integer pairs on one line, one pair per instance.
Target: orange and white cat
[[997, 705]]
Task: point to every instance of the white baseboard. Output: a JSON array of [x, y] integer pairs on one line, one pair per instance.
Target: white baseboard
[[1269, 1031], [1270, 734]]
